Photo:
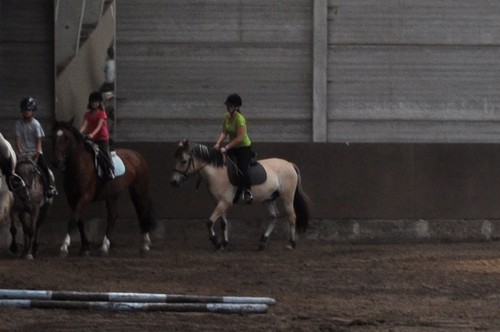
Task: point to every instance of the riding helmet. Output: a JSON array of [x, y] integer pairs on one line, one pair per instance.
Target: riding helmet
[[95, 96], [28, 103], [233, 100]]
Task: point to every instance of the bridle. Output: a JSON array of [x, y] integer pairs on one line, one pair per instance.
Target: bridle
[[185, 172]]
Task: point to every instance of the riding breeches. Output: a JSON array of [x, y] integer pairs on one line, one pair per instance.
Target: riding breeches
[[242, 157]]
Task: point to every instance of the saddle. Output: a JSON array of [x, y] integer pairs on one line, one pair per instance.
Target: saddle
[[102, 168], [256, 172]]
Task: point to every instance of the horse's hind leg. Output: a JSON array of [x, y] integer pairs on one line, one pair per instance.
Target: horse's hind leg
[[13, 233], [273, 214], [291, 225]]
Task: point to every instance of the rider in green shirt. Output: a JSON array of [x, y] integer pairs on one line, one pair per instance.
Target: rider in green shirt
[[239, 146]]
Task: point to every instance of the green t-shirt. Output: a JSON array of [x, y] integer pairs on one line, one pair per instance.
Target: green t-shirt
[[231, 128]]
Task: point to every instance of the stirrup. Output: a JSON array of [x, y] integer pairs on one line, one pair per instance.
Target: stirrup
[[51, 192], [247, 196]]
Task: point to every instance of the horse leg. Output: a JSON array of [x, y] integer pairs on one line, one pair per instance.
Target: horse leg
[[291, 224], [273, 214], [112, 215], [63, 251], [72, 223], [41, 219], [85, 247], [219, 211], [13, 232], [147, 222], [29, 229], [224, 231]]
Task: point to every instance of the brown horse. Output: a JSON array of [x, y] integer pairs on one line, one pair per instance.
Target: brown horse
[[30, 206], [82, 186]]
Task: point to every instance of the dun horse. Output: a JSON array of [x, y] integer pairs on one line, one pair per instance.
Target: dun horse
[[278, 179], [30, 207], [82, 187]]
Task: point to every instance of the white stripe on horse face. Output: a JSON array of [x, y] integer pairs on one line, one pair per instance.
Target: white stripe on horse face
[[59, 133]]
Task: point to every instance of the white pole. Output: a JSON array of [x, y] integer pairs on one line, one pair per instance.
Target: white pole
[[128, 297], [136, 306]]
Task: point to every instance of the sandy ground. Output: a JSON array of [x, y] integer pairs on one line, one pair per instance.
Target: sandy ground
[[321, 286]]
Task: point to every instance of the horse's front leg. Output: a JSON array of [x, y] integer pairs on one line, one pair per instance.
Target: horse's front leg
[[224, 231], [85, 247], [72, 223], [41, 219], [112, 215], [219, 212], [29, 230]]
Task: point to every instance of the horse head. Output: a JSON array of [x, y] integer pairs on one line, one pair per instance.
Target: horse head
[[65, 136], [191, 158], [183, 162]]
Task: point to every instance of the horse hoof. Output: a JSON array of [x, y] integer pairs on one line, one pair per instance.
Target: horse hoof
[[103, 252], [85, 253], [63, 253], [144, 250], [263, 242], [28, 257]]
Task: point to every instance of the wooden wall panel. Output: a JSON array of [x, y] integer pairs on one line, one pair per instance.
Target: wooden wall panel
[[408, 71], [178, 60], [26, 57]]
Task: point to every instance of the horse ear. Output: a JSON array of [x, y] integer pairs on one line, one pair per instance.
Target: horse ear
[[184, 143]]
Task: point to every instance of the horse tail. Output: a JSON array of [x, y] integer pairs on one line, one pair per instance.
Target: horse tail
[[301, 204]]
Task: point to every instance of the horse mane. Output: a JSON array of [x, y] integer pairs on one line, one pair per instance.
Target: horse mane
[[203, 152], [72, 129]]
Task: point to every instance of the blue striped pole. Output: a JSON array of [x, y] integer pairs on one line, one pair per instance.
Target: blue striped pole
[[228, 308], [128, 297]]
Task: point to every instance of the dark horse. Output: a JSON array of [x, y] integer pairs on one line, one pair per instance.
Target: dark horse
[[82, 186], [30, 206]]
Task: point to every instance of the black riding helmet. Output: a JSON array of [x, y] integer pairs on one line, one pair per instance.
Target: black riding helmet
[[95, 96], [233, 100], [28, 103]]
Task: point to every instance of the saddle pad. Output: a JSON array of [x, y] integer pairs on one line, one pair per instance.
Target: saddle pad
[[119, 165]]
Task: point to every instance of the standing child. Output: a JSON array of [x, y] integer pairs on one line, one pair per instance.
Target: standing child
[[95, 126], [28, 142]]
